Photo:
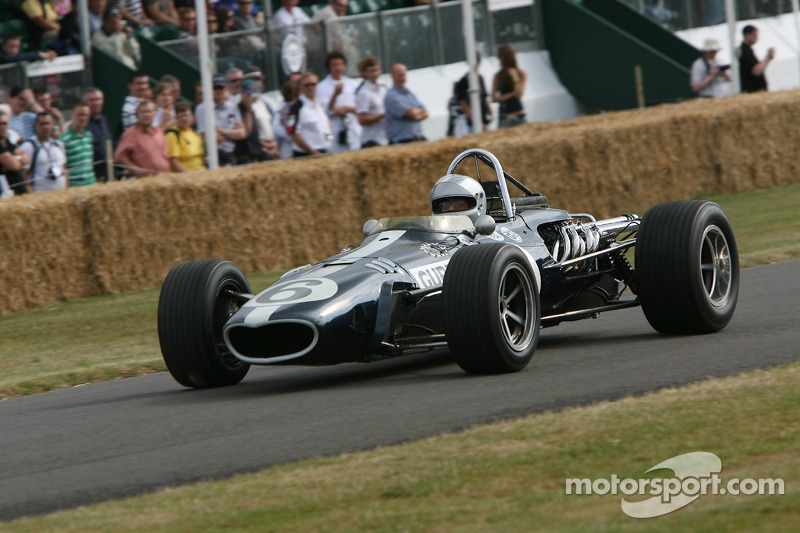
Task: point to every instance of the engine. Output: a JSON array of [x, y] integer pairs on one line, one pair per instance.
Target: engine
[[582, 234], [574, 239]]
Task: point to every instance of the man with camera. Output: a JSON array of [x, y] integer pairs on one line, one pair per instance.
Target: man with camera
[[47, 170], [751, 70], [709, 78]]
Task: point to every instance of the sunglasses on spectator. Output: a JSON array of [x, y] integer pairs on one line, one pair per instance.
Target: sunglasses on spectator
[[3, 123], [310, 84], [236, 80]]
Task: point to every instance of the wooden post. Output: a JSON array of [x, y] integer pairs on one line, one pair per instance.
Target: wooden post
[[637, 70], [109, 160]]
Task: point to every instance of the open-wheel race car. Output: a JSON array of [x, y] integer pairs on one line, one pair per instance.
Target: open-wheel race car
[[480, 276]]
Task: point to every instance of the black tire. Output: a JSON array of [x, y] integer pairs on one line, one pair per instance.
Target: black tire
[[487, 332], [192, 309], [687, 267]]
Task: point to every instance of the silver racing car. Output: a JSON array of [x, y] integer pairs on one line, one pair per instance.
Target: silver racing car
[[480, 276]]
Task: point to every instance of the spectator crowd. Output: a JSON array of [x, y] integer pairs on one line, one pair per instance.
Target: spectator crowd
[[45, 149]]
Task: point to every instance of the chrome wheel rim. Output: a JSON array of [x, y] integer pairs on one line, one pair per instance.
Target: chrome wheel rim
[[516, 307], [715, 266]]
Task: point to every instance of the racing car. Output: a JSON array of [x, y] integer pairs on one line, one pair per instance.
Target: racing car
[[480, 276]]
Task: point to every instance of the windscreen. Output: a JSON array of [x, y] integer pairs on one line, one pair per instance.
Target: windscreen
[[435, 224]]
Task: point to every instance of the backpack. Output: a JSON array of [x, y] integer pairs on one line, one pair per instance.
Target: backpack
[[176, 131], [37, 147]]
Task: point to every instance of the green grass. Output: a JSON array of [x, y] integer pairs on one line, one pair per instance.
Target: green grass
[[114, 336], [84, 341], [505, 477], [766, 223]]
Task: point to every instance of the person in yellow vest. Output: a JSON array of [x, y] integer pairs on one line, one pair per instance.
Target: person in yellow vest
[[186, 148]]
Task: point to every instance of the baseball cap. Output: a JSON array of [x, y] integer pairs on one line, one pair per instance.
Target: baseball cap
[[711, 45], [251, 73], [111, 13], [219, 80], [250, 87]]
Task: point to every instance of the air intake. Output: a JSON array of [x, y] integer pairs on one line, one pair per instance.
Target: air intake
[[273, 342]]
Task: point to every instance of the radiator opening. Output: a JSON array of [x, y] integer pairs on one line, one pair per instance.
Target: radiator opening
[[279, 339]]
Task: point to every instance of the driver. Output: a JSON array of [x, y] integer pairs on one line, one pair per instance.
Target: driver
[[455, 194]]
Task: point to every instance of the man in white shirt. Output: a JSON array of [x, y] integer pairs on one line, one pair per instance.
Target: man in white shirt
[[369, 105], [337, 93], [116, 39], [709, 78], [308, 125], [289, 19], [47, 167], [138, 85], [227, 121]]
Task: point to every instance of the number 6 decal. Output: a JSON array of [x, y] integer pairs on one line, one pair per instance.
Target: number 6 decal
[[299, 291]]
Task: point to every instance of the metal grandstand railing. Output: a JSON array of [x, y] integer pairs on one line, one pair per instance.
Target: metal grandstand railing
[[683, 14], [65, 87], [12, 75], [421, 36]]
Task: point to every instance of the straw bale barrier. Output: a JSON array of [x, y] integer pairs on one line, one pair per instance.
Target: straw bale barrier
[[127, 235]]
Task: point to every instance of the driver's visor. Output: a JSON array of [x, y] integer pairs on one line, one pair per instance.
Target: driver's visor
[[453, 204]]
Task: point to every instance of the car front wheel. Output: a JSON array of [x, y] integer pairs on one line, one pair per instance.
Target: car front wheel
[[194, 305], [490, 308]]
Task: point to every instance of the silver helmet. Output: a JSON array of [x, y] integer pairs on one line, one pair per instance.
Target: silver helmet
[[455, 194]]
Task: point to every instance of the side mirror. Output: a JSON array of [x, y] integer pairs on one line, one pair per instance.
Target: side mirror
[[485, 225], [369, 225]]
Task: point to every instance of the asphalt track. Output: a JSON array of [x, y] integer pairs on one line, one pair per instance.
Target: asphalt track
[[88, 444]]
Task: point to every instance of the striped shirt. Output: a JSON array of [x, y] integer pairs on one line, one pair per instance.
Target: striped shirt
[[129, 111], [24, 124], [134, 7], [80, 153]]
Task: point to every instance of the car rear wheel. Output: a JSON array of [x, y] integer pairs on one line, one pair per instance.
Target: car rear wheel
[[687, 267], [490, 309], [194, 305]]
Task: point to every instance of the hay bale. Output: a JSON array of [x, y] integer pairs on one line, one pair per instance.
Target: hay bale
[[43, 252], [127, 235]]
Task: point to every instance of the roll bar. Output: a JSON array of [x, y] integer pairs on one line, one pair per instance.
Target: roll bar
[[489, 158]]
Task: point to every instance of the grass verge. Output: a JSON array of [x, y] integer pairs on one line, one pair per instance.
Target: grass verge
[[109, 337], [765, 223], [505, 477], [84, 341]]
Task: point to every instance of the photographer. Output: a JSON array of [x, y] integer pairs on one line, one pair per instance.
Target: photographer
[[751, 70], [47, 170], [709, 78]]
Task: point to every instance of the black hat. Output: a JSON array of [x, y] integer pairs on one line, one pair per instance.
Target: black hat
[[219, 80]]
